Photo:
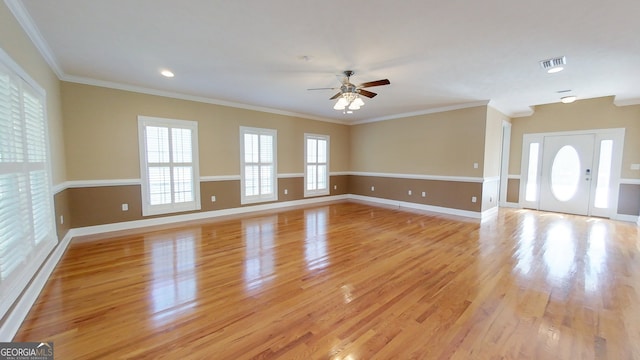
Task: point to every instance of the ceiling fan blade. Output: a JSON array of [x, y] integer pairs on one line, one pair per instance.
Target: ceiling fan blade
[[375, 83], [335, 96], [323, 88], [366, 93]]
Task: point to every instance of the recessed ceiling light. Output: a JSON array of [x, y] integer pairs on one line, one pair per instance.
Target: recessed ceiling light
[[568, 99], [167, 73], [555, 70]]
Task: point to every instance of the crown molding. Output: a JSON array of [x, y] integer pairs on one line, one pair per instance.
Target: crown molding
[[24, 19], [617, 101], [28, 25], [423, 112], [180, 96]]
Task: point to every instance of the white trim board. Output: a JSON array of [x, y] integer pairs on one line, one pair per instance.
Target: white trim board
[[121, 182], [630, 181], [410, 205], [16, 316], [627, 218], [423, 177]]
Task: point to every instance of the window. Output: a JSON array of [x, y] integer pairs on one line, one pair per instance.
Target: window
[[27, 228], [532, 173], [168, 165], [603, 181], [258, 165], [316, 171]]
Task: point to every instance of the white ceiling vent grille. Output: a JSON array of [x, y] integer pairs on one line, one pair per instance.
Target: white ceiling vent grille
[[552, 63]]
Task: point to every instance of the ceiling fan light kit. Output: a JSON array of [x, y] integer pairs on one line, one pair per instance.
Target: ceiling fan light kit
[[349, 97]]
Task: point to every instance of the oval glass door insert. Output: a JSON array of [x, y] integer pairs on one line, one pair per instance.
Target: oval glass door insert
[[565, 173]]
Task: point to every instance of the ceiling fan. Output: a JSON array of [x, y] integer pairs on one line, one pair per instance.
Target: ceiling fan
[[349, 95]]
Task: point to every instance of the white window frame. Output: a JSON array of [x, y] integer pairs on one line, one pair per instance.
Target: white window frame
[[273, 196], [30, 231], [172, 207], [316, 192]]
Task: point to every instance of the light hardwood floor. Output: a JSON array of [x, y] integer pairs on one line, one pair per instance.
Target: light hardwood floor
[[350, 281]]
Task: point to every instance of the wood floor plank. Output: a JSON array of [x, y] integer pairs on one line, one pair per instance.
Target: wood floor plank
[[349, 281]]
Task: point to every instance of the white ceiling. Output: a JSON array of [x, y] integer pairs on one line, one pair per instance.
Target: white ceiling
[[437, 54]]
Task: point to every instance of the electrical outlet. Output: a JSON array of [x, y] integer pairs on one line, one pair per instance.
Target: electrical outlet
[[635, 166], [474, 199], [335, 187], [286, 191], [61, 219], [424, 194], [125, 207], [475, 165], [213, 198], [373, 188], [409, 192]]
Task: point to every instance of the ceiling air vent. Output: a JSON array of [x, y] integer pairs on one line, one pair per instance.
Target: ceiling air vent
[[549, 64]]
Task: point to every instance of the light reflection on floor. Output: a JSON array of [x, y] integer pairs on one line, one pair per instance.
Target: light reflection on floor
[[315, 244], [174, 284], [526, 244], [559, 251], [259, 260], [596, 256], [563, 251]]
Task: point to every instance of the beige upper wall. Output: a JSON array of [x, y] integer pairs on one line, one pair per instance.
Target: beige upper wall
[[445, 144], [599, 113], [101, 126], [15, 42]]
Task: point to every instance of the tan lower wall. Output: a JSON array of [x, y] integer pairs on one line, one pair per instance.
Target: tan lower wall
[[61, 205], [629, 199], [513, 190], [447, 194], [101, 205], [490, 191]]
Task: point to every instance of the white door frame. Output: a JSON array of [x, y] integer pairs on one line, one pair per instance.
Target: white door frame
[[616, 134], [504, 166]]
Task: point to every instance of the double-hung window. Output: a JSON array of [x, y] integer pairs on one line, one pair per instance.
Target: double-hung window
[[168, 165], [27, 225], [316, 171], [258, 165]]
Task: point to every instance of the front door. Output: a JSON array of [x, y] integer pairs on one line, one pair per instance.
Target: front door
[[566, 174]]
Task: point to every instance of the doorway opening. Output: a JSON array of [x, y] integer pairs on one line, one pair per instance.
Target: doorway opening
[[575, 172]]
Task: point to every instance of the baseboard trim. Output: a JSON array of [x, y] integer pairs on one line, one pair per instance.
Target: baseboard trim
[[629, 218], [401, 204], [136, 224], [23, 305], [510, 205]]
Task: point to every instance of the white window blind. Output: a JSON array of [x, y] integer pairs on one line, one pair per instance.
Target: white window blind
[[168, 165], [316, 173], [27, 224], [258, 165]]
